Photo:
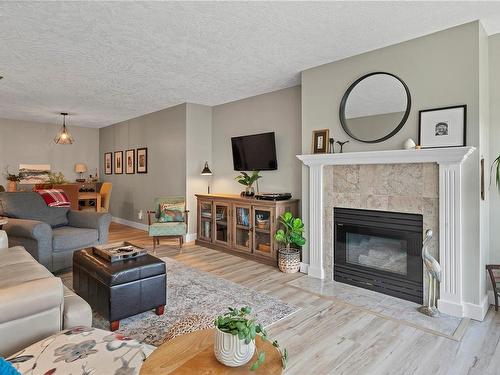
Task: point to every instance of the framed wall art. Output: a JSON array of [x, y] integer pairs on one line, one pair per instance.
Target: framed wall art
[[142, 160], [320, 141], [130, 161], [442, 127], [118, 162], [108, 163]]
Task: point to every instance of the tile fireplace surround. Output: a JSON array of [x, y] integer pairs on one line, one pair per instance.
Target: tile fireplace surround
[[447, 182]]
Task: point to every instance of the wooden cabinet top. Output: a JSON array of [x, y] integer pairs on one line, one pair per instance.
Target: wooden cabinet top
[[246, 200]]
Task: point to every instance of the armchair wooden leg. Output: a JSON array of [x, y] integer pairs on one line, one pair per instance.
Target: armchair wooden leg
[[496, 302], [154, 244]]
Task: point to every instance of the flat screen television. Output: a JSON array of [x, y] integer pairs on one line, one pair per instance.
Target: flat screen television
[[255, 152]]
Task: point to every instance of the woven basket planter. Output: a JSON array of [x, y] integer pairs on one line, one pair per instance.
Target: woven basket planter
[[289, 260]]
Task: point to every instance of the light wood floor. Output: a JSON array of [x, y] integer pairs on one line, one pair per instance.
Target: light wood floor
[[333, 337]]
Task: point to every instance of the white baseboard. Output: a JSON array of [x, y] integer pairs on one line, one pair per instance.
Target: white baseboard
[[317, 272], [191, 237], [304, 267], [477, 312], [450, 308], [129, 223]]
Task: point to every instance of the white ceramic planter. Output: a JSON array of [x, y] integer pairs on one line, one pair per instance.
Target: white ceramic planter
[[230, 350]]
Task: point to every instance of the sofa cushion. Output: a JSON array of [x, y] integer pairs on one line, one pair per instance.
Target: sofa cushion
[[30, 205], [71, 238], [18, 266], [82, 350]]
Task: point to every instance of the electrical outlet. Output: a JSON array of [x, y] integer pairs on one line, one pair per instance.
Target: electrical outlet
[[139, 214]]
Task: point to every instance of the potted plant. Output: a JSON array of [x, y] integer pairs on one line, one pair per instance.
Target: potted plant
[[12, 180], [290, 234], [248, 180], [57, 178], [234, 343]]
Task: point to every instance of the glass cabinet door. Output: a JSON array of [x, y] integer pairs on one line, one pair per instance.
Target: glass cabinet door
[[263, 231], [242, 228], [222, 223], [205, 224]]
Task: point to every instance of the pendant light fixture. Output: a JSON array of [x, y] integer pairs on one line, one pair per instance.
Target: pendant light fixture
[[63, 137]]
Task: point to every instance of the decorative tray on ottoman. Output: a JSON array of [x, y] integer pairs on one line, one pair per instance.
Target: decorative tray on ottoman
[[119, 251]]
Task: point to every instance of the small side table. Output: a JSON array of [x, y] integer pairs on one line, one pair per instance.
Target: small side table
[[193, 353]]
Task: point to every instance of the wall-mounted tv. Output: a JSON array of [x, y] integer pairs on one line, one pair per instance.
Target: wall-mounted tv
[[255, 152]]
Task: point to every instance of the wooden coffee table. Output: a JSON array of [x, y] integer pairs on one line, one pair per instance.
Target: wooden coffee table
[[193, 353]]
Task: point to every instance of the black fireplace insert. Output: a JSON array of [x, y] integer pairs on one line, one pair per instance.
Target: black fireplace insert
[[379, 250]]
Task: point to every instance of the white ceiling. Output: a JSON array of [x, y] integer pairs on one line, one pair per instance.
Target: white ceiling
[[105, 62]]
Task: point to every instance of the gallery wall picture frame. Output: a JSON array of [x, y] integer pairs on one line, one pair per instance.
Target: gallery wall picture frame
[[108, 163], [130, 161], [320, 141], [443, 127], [118, 162], [142, 160]]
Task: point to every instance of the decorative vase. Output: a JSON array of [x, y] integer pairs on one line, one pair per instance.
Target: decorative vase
[[11, 186], [230, 350], [409, 144], [249, 191], [289, 260]]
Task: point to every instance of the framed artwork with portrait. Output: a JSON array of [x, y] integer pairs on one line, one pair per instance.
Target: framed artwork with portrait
[[320, 141], [442, 127], [142, 160], [118, 162], [108, 163], [130, 161]]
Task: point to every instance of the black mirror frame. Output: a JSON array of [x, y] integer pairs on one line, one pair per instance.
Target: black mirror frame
[[396, 129]]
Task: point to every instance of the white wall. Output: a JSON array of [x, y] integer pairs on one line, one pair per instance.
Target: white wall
[[494, 139], [23, 142], [278, 112], [440, 69], [198, 150]]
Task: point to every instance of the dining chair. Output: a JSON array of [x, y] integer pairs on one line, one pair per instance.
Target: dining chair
[[105, 196]]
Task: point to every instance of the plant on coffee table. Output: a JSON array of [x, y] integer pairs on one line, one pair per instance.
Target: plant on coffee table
[[240, 323]]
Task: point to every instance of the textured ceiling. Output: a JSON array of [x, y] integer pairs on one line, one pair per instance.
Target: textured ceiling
[[105, 62]]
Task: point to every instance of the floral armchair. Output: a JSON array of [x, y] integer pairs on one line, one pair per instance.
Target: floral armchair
[[168, 220]]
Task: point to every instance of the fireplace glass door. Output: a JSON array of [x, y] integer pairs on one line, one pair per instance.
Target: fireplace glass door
[[383, 253]]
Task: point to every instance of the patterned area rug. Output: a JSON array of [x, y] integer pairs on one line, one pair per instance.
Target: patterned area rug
[[194, 299]]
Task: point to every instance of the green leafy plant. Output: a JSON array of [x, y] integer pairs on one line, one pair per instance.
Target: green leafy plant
[[246, 179], [291, 232], [57, 178], [240, 323], [10, 176]]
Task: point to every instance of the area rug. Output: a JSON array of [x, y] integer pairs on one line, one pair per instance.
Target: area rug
[[194, 299]]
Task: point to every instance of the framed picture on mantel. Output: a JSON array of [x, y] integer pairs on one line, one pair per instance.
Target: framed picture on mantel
[[442, 127], [142, 160], [320, 141]]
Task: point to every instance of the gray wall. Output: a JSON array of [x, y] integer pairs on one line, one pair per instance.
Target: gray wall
[[164, 134], [277, 111], [23, 142], [440, 69], [198, 150], [494, 79]]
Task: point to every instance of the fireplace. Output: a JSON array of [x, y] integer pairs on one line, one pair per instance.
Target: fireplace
[[379, 250]]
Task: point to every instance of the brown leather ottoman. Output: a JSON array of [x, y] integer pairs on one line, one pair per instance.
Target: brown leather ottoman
[[120, 289]]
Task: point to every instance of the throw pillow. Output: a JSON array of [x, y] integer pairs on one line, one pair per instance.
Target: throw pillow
[[169, 214]]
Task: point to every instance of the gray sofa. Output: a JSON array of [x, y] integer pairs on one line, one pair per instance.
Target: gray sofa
[[51, 234]]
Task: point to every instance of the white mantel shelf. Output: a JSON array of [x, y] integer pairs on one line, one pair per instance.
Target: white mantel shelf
[[425, 155], [450, 214]]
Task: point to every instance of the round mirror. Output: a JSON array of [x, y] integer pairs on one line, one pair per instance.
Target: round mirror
[[375, 107]]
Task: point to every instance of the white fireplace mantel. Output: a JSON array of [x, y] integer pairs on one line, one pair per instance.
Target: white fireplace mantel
[[450, 209]]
